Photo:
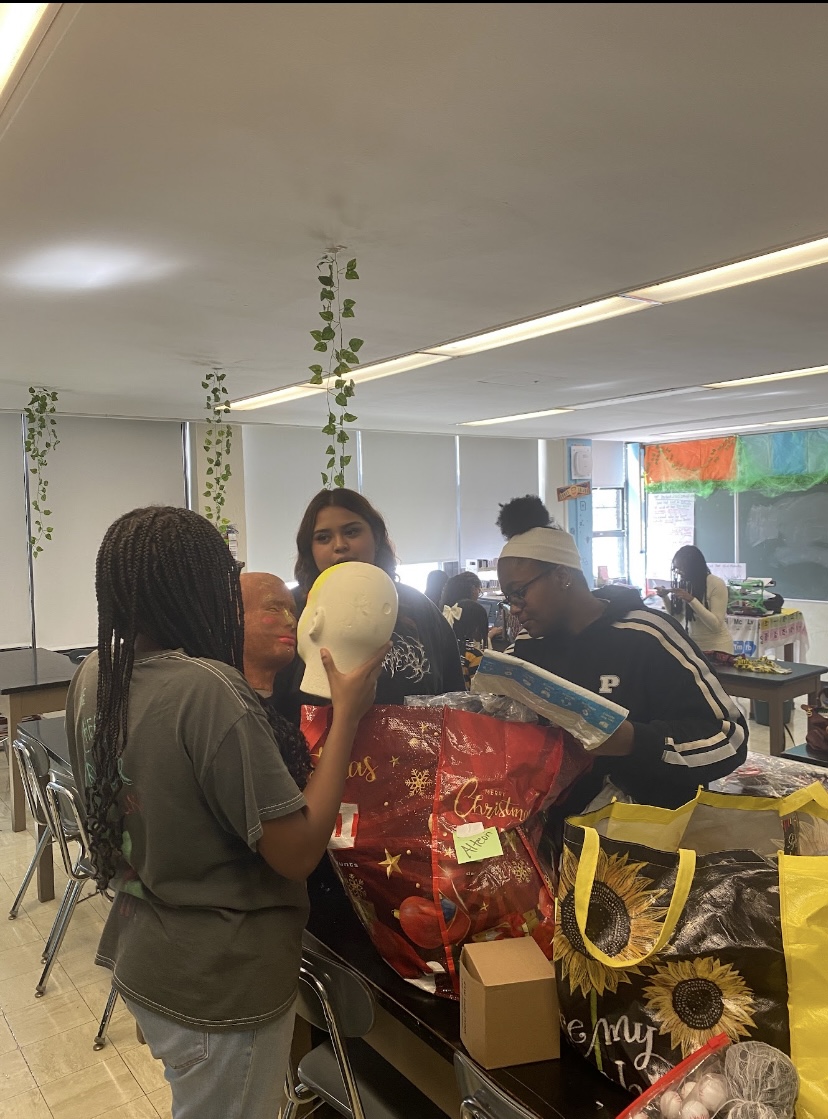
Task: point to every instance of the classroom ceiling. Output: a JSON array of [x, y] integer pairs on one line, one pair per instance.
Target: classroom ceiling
[[169, 174]]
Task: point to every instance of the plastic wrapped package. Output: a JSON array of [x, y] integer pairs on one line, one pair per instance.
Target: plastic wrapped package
[[765, 776], [749, 1080], [498, 706], [586, 716], [414, 848]]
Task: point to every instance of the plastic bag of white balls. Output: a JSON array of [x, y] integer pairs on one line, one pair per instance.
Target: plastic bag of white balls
[[750, 1080]]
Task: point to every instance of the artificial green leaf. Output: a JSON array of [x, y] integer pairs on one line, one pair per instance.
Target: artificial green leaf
[[350, 357], [324, 478], [351, 275], [329, 429], [326, 315], [342, 369], [326, 280], [210, 471], [339, 481], [47, 512], [356, 344], [317, 335], [351, 265], [341, 399], [342, 437], [328, 333], [349, 418], [326, 295], [204, 384], [315, 368], [331, 463], [316, 379], [345, 460], [329, 450], [347, 313], [322, 347], [348, 304]]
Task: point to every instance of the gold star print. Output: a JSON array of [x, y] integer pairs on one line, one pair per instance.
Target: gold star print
[[395, 762], [390, 862], [484, 907]]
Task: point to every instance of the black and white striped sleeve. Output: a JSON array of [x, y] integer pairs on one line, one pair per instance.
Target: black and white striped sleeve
[[694, 729]]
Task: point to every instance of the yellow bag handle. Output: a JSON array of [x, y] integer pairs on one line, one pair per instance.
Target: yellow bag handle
[[585, 880]]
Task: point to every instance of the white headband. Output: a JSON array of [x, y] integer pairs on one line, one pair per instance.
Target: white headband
[[547, 545]]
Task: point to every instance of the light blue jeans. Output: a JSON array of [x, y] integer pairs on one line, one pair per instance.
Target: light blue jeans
[[220, 1075]]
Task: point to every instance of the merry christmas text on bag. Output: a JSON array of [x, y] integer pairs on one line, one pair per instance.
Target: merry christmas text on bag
[[417, 776]]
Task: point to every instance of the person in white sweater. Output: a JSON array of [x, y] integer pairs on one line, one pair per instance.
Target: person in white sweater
[[701, 598]]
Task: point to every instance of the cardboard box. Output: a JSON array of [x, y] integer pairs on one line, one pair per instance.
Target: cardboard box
[[508, 1003]]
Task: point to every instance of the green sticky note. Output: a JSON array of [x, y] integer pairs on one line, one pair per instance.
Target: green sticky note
[[473, 848]]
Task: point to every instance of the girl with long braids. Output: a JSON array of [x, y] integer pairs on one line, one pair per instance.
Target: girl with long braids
[[193, 818], [699, 598]]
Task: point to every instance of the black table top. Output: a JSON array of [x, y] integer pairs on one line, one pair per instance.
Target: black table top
[[565, 1089], [801, 753], [25, 670], [51, 734], [797, 672]]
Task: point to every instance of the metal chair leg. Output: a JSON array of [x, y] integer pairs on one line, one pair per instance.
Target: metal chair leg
[[72, 893], [30, 873], [57, 924], [100, 1036]]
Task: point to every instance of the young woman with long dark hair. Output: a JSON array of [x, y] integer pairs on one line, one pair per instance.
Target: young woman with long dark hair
[[341, 525], [700, 598], [193, 819]]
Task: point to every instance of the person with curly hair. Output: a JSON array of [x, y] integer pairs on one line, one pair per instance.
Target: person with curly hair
[[683, 730]]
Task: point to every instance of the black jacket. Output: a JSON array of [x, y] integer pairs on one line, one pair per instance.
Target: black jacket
[[688, 730], [424, 659]]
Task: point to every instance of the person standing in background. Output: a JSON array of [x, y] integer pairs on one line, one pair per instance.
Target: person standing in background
[[701, 599], [435, 581], [463, 585], [470, 623]]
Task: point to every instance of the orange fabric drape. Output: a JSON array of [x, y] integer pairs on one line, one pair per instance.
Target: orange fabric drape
[[699, 461]]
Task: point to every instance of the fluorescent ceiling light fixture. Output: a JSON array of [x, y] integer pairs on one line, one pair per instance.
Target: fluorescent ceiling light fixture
[[545, 324], [789, 374], [358, 375], [84, 267], [808, 421], [394, 365], [277, 396], [742, 272], [17, 25], [513, 419]]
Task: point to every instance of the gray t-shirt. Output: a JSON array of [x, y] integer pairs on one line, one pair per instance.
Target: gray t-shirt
[[201, 929]]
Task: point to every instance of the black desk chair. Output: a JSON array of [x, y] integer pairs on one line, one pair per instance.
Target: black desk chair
[[34, 774], [354, 1080], [480, 1097]]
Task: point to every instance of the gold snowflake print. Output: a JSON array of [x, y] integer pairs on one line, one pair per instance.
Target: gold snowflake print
[[356, 887], [522, 872], [694, 1000], [418, 783], [624, 921]]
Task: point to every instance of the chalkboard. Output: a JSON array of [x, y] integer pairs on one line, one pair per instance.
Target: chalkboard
[[786, 538], [714, 527]]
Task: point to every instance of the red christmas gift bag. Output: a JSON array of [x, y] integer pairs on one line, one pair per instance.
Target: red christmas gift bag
[[417, 776]]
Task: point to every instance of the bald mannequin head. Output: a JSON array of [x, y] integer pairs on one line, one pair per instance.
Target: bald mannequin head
[[269, 628]]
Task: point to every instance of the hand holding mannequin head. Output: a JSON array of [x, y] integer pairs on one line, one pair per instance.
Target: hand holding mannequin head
[[351, 611], [269, 628]]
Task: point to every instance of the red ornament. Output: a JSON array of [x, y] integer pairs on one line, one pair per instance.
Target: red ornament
[[420, 921]]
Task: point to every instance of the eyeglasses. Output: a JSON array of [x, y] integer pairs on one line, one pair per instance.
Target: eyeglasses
[[517, 597]]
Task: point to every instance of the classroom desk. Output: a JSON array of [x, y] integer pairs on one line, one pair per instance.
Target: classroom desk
[[32, 682], [803, 679], [801, 753], [566, 1089]]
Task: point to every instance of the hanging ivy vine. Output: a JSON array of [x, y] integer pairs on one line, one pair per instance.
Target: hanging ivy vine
[[341, 359], [217, 442], [41, 440]]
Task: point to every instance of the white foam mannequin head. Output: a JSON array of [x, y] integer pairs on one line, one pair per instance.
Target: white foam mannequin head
[[351, 611]]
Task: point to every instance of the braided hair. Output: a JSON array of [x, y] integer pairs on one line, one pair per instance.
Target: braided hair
[[167, 574]]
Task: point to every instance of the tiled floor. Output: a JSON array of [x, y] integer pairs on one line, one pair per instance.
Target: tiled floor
[[48, 1068]]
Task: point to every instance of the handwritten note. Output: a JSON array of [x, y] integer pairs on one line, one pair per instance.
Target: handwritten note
[[473, 848]]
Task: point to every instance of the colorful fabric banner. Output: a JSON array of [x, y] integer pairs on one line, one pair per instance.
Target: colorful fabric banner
[[696, 467]]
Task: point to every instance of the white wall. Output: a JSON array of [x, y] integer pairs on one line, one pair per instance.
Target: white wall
[[816, 619], [101, 469], [15, 614], [282, 472], [412, 480], [607, 464], [492, 471]]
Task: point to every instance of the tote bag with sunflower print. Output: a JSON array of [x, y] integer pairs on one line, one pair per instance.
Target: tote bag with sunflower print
[[676, 926]]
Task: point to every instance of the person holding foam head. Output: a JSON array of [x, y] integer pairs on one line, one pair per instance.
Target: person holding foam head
[[683, 729]]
